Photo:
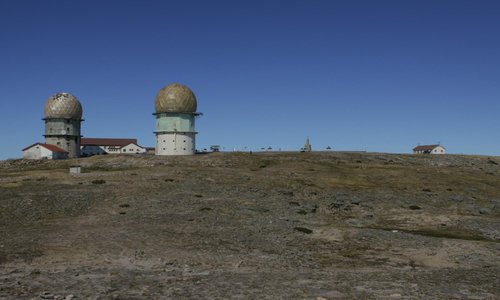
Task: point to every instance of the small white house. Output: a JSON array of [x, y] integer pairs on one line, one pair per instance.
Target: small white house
[[132, 148], [429, 149], [44, 151], [98, 146]]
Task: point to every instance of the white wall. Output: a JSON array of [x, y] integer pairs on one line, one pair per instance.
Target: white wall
[[40, 152], [175, 144], [32, 153], [132, 148], [438, 150], [128, 149]]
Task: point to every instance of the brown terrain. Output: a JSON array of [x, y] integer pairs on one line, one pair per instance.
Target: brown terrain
[[251, 226]]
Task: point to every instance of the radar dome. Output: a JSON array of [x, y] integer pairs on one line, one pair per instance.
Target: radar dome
[[64, 106], [175, 98]]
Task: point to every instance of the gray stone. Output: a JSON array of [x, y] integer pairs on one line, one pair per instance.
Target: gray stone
[[46, 295], [484, 211], [355, 200]]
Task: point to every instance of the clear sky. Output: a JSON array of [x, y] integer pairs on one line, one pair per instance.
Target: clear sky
[[354, 75]]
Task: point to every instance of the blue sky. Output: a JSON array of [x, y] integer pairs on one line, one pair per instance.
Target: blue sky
[[354, 75]]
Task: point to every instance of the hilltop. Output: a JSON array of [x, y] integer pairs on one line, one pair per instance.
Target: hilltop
[[264, 226]]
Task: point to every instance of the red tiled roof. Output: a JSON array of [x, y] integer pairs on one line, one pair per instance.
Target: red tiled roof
[[50, 147], [425, 147], [107, 142], [53, 148]]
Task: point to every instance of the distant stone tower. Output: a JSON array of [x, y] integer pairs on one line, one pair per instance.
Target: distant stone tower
[[175, 112], [63, 117], [307, 146]]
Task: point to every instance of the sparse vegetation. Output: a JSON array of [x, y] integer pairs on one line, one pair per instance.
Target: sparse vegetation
[[303, 230], [274, 225]]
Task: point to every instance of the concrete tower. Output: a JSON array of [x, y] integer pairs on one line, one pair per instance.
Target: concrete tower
[[175, 112], [63, 117]]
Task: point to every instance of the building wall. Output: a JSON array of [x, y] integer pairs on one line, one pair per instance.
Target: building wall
[[66, 143], [44, 152], [175, 134], [438, 150], [65, 134], [175, 122], [175, 143], [69, 127], [39, 152], [59, 155], [132, 148], [89, 150], [112, 149], [32, 153]]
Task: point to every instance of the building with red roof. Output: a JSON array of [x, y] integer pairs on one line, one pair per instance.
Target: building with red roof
[[44, 151], [429, 149], [98, 146]]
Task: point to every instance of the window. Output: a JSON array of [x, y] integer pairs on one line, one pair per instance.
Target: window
[[124, 150]]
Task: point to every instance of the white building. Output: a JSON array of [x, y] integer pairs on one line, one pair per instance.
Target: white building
[[98, 146], [44, 151], [429, 149], [175, 112]]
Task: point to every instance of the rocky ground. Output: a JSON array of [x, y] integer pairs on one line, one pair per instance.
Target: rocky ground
[[251, 226]]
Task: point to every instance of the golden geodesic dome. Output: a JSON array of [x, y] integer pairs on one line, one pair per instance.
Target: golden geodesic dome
[[175, 98], [64, 106]]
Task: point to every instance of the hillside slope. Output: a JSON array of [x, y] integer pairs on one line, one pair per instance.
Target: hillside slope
[[261, 226]]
